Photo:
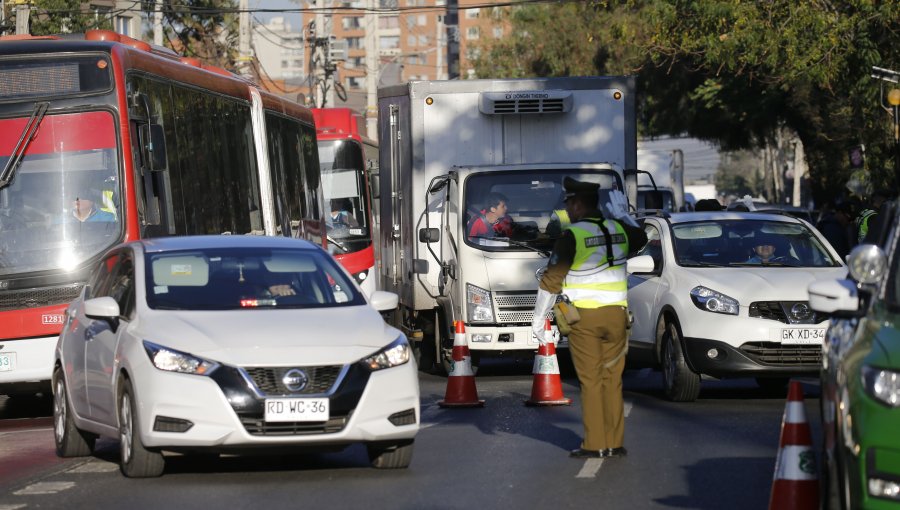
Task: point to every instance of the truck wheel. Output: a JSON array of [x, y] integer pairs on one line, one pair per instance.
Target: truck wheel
[[680, 383], [70, 441], [136, 461], [390, 456]]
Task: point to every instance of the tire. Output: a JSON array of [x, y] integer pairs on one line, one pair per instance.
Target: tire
[[70, 440], [680, 383], [390, 455], [135, 461]]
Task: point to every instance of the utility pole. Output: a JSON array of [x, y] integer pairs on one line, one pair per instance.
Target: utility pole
[[325, 67], [893, 109], [244, 39], [372, 70], [439, 48], [23, 12], [157, 23], [452, 22]]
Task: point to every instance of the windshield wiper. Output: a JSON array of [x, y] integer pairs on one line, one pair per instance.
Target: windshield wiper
[[770, 264], [698, 263], [336, 243], [18, 152], [522, 244]]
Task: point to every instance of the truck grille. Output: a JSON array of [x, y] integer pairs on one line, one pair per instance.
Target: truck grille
[[771, 353], [515, 307], [36, 298], [268, 379], [788, 312]]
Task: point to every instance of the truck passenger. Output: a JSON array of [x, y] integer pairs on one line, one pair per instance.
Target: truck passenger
[[492, 221]]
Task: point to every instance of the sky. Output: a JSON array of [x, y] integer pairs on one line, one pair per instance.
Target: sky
[[295, 19]]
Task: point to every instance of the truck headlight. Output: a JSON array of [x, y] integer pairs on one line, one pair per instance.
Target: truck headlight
[[882, 385], [397, 353], [478, 304], [712, 301], [171, 360]]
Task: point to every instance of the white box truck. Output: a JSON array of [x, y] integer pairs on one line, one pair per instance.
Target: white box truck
[[449, 148], [661, 171]]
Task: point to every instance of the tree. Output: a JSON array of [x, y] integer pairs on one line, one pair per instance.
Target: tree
[[49, 17], [206, 29], [732, 71]]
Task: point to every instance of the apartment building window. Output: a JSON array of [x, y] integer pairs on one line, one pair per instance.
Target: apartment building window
[[351, 22], [472, 33], [498, 32], [423, 40], [354, 62], [389, 22], [388, 4], [123, 25], [411, 40], [472, 13], [387, 42], [354, 82], [354, 42]]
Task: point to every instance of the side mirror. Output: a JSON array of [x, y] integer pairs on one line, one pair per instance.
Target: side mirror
[[838, 297], [375, 185], [384, 301], [429, 235], [103, 308], [154, 142], [642, 264]]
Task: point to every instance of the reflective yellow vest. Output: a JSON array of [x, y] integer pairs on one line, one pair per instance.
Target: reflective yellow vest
[[862, 224], [597, 277]]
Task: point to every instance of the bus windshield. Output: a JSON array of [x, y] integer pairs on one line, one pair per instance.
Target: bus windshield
[[62, 206], [346, 200], [522, 211]]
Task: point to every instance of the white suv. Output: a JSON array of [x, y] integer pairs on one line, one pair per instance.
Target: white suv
[[724, 294]]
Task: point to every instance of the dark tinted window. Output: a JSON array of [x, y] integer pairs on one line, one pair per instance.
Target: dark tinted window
[[295, 172]]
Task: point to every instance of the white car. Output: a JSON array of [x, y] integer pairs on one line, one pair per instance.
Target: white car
[[707, 301], [225, 344]]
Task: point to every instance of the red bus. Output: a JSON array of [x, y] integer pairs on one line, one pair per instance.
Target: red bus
[[106, 139], [346, 158]]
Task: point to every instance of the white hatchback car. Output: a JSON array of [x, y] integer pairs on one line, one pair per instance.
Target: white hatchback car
[[225, 344], [723, 294]]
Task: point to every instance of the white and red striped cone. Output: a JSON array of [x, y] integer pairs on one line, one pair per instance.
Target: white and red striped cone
[[546, 389], [796, 483], [461, 390]]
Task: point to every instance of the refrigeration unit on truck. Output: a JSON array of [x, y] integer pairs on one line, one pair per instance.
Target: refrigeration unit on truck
[[449, 148]]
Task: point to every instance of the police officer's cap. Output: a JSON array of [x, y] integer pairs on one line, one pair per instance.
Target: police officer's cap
[[577, 188]]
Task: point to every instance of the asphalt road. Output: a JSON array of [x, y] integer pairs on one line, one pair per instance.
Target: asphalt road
[[718, 452]]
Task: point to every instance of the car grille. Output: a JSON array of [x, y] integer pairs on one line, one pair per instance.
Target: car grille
[[268, 380], [36, 298], [259, 427], [771, 353], [515, 307], [785, 311]]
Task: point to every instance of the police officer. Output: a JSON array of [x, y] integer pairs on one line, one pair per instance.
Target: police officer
[[868, 224], [588, 265]]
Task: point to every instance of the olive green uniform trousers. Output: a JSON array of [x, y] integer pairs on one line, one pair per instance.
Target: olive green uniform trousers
[[597, 345]]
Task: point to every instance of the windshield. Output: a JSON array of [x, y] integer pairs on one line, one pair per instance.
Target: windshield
[[62, 206], [346, 200], [748, 243], [233, 278], [517, 211]]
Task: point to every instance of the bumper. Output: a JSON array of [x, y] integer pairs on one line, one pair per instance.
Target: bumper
[[227, 416], [751, 359], [491, 338], [32, 367]]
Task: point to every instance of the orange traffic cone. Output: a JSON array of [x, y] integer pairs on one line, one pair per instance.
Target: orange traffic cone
[[546, 390], [796, 484], [461, 380]]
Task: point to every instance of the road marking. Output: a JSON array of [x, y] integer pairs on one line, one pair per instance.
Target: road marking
[[13, 507], [591, 466], [44, 488], [95, 467]]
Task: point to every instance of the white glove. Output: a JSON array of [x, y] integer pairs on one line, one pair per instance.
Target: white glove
[[542, 306], [618, 208]]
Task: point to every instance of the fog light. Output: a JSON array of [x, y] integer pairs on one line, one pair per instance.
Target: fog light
[[884, 488], [407, 417], [480, 337], [712, 353], [167, 424]]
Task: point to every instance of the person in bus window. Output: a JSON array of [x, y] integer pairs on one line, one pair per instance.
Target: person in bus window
[[340, 214], [86, 210], [492, 221]]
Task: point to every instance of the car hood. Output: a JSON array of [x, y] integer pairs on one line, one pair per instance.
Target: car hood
[[748, 284], [270, 337]]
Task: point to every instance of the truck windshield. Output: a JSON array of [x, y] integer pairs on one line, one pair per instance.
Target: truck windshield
[[344, 188], [62, 206], [525, 207]]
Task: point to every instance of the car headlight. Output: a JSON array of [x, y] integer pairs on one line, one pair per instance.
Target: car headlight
[[171, 360], [882, 385], [395, 354], [478, 304], [712, 301]]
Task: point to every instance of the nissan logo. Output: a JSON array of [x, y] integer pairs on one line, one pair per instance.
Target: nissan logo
[[295, 379], [801, 311]]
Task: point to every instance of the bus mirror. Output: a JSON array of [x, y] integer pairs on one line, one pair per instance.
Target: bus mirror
[[375, 184], [429, 235], [154, 141]]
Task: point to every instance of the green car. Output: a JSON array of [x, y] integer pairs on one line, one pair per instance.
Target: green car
[[860, 377]]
